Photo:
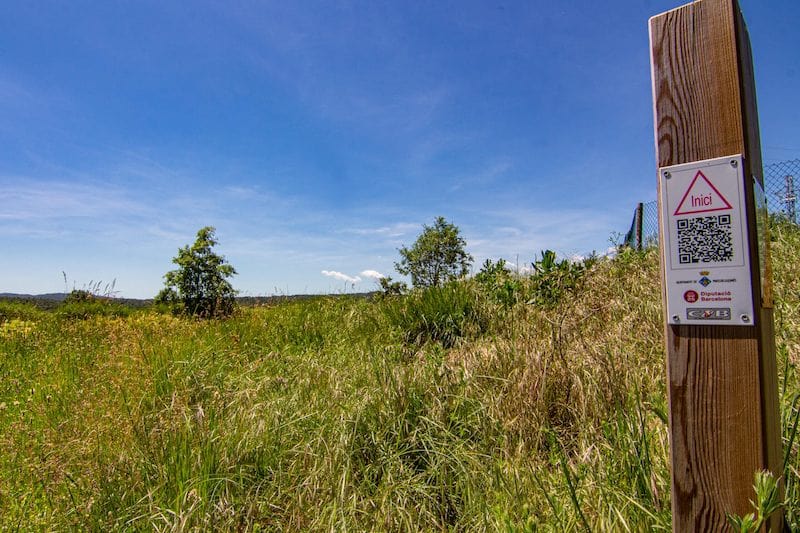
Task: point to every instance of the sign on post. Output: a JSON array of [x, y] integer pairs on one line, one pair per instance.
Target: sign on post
[[707, 266]]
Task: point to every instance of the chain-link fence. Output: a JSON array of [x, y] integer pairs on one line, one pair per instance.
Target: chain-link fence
[[781, 181], [644, 226]]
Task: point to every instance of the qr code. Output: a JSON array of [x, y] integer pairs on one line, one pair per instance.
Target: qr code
[[705, 239]]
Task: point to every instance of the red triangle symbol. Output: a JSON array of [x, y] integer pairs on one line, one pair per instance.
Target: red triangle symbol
[[701, 197]]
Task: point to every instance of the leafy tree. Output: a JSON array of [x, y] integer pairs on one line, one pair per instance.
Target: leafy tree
[[436, 257], [200, 283]]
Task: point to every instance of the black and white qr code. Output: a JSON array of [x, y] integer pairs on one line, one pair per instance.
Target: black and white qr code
[[705, 239]]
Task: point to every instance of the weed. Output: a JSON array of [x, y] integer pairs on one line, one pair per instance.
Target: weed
[[767, 502]]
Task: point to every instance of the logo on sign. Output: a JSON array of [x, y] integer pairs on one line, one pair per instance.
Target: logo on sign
[[709, 313], [691, 296]]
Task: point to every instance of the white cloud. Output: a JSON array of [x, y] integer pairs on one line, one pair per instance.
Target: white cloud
[[395, 230], [340, 276], [373, 274]]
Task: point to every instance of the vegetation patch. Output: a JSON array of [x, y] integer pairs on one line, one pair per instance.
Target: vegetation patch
[[506, 401]]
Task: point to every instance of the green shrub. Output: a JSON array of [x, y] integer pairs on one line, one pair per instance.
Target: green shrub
[[80, 295], [439, 314], [84, 309], [499, 283], [11, 310], [391, 288], [552, 279]]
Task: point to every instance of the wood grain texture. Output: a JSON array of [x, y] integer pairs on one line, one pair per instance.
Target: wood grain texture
[[770, 408], [724, 422]]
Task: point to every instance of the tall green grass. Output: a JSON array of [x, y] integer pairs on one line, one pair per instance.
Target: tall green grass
[[444, 409], [445, 315]]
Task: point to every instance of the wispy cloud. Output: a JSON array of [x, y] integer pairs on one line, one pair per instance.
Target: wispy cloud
[[341, 276], [47, 200], [396, 94], [518, 235], [13, 93], [169, 234], [398, 229], [372, 274], [483, 177], [257, 194], [239, 192], [20, 95]]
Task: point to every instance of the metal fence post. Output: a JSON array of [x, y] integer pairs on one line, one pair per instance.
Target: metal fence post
[[639, 237], [789, 199]]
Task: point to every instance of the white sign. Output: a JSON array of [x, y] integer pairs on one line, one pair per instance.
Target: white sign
[[704, 226]]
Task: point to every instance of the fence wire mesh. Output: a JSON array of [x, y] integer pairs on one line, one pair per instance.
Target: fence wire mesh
[[650, 224], [781, 182]]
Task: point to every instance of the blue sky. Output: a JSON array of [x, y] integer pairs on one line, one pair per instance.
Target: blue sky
[[318, 137]]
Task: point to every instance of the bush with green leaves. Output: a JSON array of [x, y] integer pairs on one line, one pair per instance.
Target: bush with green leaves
[[443, 314], [84, 309], [18, 310], [553, 279], [390, 288], [79, 295], [84, 303], [499, 282], [436, 257], [199, 285]]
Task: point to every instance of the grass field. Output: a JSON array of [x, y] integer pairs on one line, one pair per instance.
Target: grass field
[[464, 408]]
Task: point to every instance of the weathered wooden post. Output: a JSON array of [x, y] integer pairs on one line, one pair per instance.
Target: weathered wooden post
[[716, 282]]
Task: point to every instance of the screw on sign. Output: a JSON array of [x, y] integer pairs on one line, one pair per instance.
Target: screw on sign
[[691, 296]]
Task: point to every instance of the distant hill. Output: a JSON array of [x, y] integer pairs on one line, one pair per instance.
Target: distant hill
[[55, 296], [51, 300]]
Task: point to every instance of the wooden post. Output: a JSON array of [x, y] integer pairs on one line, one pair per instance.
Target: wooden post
[[722, 380]]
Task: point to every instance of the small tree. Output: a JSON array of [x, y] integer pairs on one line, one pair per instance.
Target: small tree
[[436, 257], [200, 282]]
